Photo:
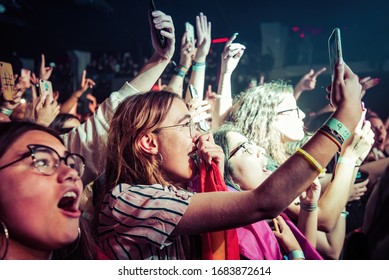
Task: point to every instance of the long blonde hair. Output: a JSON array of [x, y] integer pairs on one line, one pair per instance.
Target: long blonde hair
[[135, 117], [255, 114]]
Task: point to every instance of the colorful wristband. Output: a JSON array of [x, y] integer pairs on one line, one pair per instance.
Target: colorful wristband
[[5, 111], [338, 127], [296, 254], [198, 66], [313, 162], [344, 214]]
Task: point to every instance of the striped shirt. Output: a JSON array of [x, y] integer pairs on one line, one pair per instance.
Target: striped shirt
[[135, 222]]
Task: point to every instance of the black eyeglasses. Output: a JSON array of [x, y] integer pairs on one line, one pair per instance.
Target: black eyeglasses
[[247, 146], [46, 160], [193, 127], [290, 110]]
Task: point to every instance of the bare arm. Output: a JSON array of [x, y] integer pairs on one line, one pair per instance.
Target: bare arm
[[230, 58], [176, 83], [221, 210], [197, 77]]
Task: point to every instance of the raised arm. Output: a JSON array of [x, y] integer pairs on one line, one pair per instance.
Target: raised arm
[[152, 70], [176, 83], [90, 137], [229, 60], [307, 82], [85, 83], [197, 77], [44, 71], [220, 210]]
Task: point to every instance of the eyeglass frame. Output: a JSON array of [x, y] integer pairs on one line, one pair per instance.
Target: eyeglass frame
[[31, 153], [241, 145], [290, 110], [190, 124]]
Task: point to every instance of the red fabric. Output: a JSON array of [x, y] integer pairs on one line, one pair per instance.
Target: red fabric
[[220, 245]]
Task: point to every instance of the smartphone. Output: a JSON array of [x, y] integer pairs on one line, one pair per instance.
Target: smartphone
[[361, 176], [334, 49], [46, 90], [203, 125], [190, 36], [7, 80], [162, 40]]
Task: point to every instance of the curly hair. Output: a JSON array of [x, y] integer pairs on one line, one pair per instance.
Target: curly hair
[[254, 113]]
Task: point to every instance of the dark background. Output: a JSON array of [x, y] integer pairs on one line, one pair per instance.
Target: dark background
[[29, 28]]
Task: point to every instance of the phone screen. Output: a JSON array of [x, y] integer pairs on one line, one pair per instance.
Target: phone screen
[[334, 49]]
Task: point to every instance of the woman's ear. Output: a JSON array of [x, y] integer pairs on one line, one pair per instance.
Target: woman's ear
[[148, 143]]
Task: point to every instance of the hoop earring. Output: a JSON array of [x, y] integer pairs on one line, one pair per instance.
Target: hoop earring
[[160, 159], [5, 229], [77, 243]]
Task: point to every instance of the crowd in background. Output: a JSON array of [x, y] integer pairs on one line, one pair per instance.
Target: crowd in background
[[177, 165]]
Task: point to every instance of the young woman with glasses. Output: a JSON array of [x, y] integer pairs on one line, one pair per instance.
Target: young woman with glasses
[[40, 192]]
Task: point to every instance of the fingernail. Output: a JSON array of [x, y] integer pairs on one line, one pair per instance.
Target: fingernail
[[235, 34]]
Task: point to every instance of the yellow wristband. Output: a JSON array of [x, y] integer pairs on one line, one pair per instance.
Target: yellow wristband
[[313, 162]]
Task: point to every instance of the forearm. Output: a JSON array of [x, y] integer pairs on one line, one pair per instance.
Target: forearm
[[330, 245], [67, 106], [337, 193], [149, 73], [307, 224], [197, 79], [224, 103], [297, 92], [176, 84]]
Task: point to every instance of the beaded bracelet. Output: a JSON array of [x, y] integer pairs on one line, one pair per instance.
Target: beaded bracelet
[[296, 254], [313, 162], [5, 111], [339, 127], [308, 207]]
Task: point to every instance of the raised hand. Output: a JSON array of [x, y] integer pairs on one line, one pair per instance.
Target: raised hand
[[188, 52], [307, 82], [312, 194], [163, 24], [368, 83], [46, 110], [346, 93], [231, 55], [85, 83], [203, 30], [44, 72]]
